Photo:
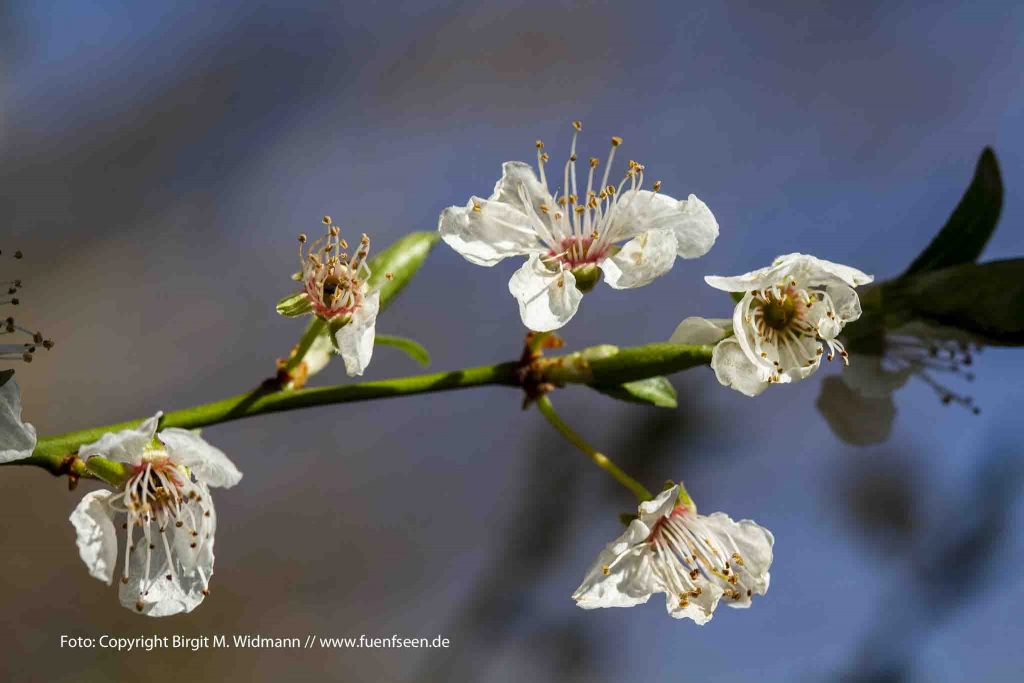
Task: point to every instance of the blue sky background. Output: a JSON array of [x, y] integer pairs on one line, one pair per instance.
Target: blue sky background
[[158, 160]]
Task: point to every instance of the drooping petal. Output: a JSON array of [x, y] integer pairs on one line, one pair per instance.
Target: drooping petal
[[154, 594], [733, 368], [193, 542], [621, 576], [485, 232], [355, 340], [846, 302], [691, 221], [699, 608], [209, 464], [548, 299], [641, 260], [697, 330], [125, 446], [855, 418], [753, 544], [93, 519], [17, 438]]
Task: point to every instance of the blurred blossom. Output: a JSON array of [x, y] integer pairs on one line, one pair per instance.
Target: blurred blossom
[[17, 438]]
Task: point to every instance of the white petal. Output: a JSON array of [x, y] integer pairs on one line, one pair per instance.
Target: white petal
[[160, 596], [662, 505], [867, 376], [699, 608], [319, 354], [547, 299], [856, 419], [733, 368], [691, 221], [754, 544], [846, 302], [696, 330], [642, 259], [629, 580], [125, 446], [198, 560], [355, 340], [518, 182], [17, 438], [487, 236], [807, 270], [209, 464], [93, 519]]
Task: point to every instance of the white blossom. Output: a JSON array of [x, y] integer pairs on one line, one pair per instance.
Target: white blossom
[[571, 237], [167, 512], [17, 438], [787, 311], [695, 560], [336, 285]]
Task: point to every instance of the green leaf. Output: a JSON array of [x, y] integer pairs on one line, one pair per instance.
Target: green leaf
[[655, 391], [984, 300], [965, 234], [294, 305], [413, 349], [402, 259]]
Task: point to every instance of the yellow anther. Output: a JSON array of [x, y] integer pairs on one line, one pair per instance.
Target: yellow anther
[[302, 238], [544, 157], [594, 162], [540, 144], [326, 220], [476, 207], [657, 185], [616, 141], [578, 125]]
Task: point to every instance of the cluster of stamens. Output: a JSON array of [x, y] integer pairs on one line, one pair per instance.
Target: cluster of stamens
[[780, 318], [333, 279], [578, 228], [686, 554], [161, 500], [23, 350], [925, 357]]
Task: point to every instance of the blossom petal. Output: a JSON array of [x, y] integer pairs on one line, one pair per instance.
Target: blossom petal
[[691, 221], [846, 302], [733, 368], [621, 576], [641, 260], [754, 545], [855, 418], [547, 299], [488, 234], [662, 505], [93, 519], [867, 376], [158, 596], [699, 608], [355, 339], [807, 270], [209, 464], [701, 331], [519, 182], [197, 560], [125, 446], [17, 438]]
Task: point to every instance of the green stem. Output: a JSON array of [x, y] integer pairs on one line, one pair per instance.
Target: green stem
[[599, 459], [591, 366], [313, 330]]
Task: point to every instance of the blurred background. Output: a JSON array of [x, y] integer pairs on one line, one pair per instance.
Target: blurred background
[[158, 159]]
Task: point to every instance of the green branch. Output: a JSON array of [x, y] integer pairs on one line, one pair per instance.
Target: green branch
[[583, 367]]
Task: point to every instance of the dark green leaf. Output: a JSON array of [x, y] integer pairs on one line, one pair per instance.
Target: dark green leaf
[[656, 391], [965, 234], [982, 300], [402, 259], [412, 348], [294, 305]]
